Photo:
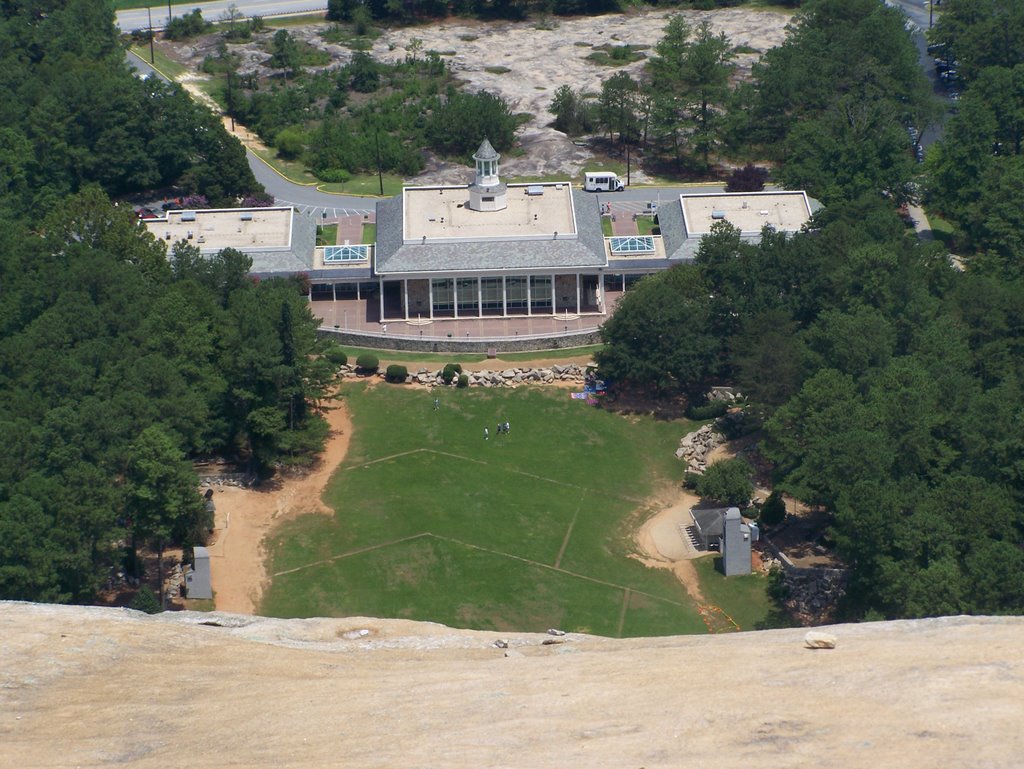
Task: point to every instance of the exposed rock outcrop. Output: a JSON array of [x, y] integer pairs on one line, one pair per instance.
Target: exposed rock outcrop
[[695, 447], [104, 687]]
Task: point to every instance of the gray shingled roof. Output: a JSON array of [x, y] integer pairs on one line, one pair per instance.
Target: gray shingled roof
[[710, 522], [395, 257], [298, 258], [486, 152], [673, 231]]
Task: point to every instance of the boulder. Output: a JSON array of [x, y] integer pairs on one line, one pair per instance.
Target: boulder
[[816, 639]]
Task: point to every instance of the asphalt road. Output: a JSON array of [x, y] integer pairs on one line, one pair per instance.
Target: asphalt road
[[918, 12], [138, 18]]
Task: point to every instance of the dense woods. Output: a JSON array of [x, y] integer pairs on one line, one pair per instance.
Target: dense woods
[[976, 176], [888, 384], [119, 362], [72, 114]]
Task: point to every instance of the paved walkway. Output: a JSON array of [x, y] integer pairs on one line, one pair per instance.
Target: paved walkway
[[921, 224], [350, 229], [363, 315], [623, 222]]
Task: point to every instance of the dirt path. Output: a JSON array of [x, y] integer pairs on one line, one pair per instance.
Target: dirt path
[[245, 517], [662, 546]]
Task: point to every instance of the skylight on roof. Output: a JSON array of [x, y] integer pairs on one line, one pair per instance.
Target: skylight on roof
[[629, 245], [336, 254]]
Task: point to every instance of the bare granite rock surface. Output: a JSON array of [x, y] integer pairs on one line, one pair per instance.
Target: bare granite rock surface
[[94, 687]]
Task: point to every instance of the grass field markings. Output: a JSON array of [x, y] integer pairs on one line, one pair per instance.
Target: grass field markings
[[560, 570], [448, 454], [351, 553], [385, 459], [568, 533], [622, 612], [717, 621]]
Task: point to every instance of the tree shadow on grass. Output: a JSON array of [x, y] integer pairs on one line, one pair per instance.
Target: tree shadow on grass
[[637, 404]]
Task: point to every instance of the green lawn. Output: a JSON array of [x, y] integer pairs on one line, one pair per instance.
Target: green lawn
[[743, 599], [523, 531], [438, 360], [166, 66], [942, 229], [365, 184], [369, 233], [326, 234]]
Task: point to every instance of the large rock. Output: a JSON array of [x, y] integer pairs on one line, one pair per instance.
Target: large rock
[[103, 687]]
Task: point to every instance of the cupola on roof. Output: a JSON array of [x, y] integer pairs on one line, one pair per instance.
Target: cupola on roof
[[486, 152]]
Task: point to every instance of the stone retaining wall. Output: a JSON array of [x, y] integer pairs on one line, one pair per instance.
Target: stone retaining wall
[[814, 591], [509, 377]]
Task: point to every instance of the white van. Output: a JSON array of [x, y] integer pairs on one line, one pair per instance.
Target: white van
[[602, 181]]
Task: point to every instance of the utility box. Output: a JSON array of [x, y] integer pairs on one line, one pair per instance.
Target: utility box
[[197, 580], [735, 544]]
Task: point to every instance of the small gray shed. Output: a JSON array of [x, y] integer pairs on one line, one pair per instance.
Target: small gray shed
[[197, 580]]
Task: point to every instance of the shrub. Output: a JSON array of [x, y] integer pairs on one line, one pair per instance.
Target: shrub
[[396, 373], [334, 175], [184, 27], [773, 511], [367, 362], [336, 355], [463, 380], [690, 480], [290, 142], [195, 201], [711, 410], [750, 178], [778, 590], [450, 371], [727, 482], [146, 600]]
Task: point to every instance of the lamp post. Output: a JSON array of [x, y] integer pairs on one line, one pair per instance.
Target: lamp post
[[152, 57]]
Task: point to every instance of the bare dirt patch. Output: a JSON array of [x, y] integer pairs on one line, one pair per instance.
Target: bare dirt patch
[[246, 516], [661, 545]]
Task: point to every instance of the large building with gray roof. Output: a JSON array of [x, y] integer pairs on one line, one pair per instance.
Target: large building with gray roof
[[486, 249]]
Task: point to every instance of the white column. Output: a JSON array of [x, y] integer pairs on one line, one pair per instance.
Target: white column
[[577, 293], [334, 292], [430, 296], [504, 298], [529, 295], [479, 297], [380, 293], [405, 301], [455, 297]]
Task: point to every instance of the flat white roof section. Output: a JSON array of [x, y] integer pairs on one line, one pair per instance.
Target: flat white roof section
[[534, 212], [246, 229], [748, 211]]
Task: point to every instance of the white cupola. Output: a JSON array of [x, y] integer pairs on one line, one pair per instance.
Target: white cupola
[[487, 193]]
